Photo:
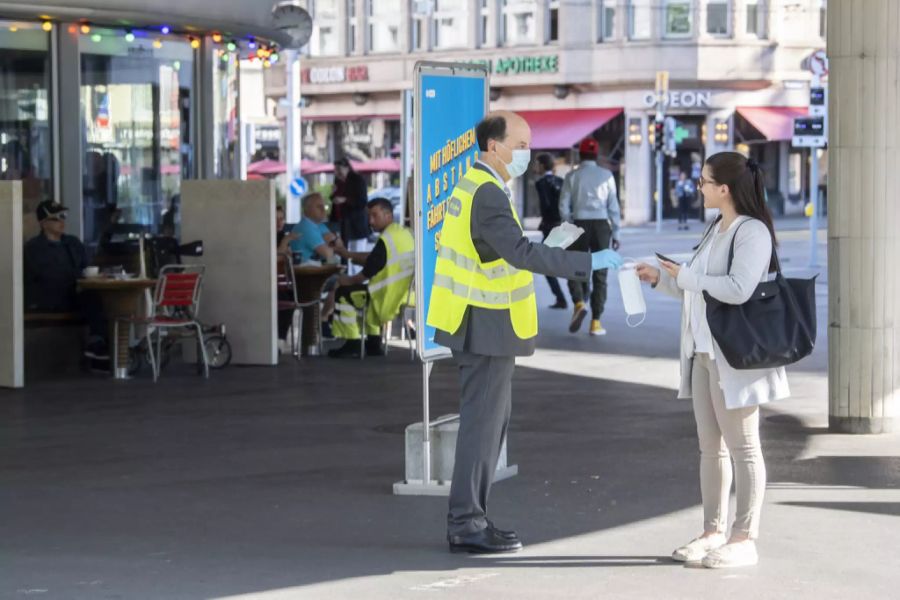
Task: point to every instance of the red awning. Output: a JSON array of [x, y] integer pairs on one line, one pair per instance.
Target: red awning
[[266, 166], [556, 129], [775, 123], [378, 165]]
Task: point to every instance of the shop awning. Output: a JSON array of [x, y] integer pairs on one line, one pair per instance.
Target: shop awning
[[555, 129], [776, 123]]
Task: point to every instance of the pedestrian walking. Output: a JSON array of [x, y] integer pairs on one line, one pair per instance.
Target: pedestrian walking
[[685, 192], [726, 400], [588, 198], [548, 186]]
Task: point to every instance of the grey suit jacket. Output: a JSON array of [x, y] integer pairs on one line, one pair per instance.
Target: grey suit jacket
[[496, 234]]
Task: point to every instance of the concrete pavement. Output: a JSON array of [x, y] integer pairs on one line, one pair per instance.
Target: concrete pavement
[[274, 483]]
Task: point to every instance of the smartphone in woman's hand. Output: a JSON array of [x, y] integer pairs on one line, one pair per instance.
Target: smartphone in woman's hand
[[665, 258]]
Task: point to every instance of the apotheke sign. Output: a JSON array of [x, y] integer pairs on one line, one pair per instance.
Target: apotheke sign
[[521, 65], [681, 99]]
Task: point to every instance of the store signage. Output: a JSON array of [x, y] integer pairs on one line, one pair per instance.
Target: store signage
[[520, 65], [681, 99], [334, 74]]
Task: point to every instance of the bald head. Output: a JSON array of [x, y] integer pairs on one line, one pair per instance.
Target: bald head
[[499, 134]]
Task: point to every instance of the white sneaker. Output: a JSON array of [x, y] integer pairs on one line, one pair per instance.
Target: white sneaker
[[739, 554], [697, 549]]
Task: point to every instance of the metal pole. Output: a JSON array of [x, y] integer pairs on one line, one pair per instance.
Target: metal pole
[[426, 425], [292, 127], [814, 202], [659, 191], [405, 154]]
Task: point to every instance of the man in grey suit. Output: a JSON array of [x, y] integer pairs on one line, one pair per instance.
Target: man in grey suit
[[486, 343]]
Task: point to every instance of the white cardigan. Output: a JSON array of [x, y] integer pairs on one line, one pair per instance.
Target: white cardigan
[[752, 252]]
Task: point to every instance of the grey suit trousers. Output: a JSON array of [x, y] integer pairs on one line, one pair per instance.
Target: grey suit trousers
[[485, 406]]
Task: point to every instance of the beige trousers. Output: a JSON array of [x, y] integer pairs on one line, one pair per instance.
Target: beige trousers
[[725, 435]]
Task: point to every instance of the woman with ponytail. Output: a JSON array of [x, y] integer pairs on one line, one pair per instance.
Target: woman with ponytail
[[725, 400]]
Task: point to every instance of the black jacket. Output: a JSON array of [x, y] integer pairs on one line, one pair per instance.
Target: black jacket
[[548, 189], [52, 270], [351, 216]]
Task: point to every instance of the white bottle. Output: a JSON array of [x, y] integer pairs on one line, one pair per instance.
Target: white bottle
[[632, 294]]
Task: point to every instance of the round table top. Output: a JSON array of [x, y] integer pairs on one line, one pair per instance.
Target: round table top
[[110, 283], [317, 269]]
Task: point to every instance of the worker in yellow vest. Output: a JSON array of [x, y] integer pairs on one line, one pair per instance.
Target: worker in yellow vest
[[483, 308], [389, 269]]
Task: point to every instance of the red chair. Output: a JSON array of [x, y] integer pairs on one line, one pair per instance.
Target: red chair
[[176, 302]]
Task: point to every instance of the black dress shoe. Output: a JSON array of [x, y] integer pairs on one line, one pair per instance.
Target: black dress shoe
[[560, 305], [504, 533], [486, 541], [350, 349]]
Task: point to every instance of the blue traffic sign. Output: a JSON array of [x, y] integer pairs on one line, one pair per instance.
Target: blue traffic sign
[[299, 187]]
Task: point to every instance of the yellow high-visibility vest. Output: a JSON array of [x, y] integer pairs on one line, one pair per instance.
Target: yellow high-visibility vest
[[389, 288], [462, 280]]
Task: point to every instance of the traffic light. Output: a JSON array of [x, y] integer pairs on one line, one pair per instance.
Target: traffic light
[[659, 135]]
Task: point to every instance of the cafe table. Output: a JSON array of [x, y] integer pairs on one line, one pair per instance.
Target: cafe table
[[310, 282], [122, 299]]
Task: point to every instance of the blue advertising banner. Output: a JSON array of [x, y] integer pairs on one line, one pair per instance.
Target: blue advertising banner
[[450, 101]]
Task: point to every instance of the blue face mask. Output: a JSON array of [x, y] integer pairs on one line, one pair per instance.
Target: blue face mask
[[521, 158]]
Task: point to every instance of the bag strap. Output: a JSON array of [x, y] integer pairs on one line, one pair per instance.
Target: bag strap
[[731, 249]]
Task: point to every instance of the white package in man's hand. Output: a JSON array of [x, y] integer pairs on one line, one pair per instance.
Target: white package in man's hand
[[563, 236]]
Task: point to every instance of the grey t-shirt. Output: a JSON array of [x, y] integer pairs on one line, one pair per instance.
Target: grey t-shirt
[[496, 234]]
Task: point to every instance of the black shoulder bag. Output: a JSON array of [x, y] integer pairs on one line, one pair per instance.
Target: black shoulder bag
[[774, 328]]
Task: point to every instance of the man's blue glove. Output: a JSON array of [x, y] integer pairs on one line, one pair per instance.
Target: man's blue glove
[[606, 259]]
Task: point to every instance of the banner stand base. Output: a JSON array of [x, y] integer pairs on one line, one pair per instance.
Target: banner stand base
[[415, 487]]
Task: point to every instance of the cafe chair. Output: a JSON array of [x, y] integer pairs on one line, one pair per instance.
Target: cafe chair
[[406, 313], [176, 302], [288, 300]]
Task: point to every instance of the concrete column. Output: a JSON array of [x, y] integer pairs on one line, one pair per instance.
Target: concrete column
[[638, 171], [864, 219], [71, 155], [12, 361]]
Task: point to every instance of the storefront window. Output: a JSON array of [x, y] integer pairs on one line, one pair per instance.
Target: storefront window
[[384, 25], [519, 22], [485, 23], [324, 40], [823, 22], [136, 128], [553, 21], [606, 20], [756, 18], [352, 26], [678, 18], [640, 19], [225, 114], [26, 152], [450, 23], [717, 18]]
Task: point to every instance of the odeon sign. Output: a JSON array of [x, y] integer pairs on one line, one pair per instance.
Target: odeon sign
[[681, 99]]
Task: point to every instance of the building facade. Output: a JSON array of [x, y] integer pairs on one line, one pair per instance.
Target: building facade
[[109, 119], [575, 68]]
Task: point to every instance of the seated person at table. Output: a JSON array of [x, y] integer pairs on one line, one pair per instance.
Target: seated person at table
[[53, 263], [314, 240], [388, 268]]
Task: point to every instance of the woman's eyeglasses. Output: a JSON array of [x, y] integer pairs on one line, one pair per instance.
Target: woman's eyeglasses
[[703, 181]]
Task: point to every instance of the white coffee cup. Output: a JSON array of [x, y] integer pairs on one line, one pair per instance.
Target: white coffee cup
[[91, 271]]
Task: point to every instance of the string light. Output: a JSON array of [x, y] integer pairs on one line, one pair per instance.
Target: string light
[[157, 44], [225, 58], [129, 36], [47, 26], [252, 44], [13, 28], [85, 28], [217, 37], [166, 30], [231, 46], [195, 43], [267, 64], [96, 38], [274, 57]]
